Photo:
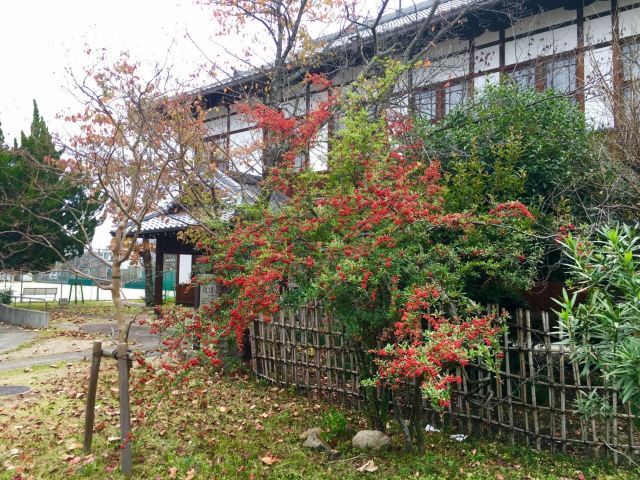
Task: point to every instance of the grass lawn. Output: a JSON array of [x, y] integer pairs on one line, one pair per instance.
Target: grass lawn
[[231, 427]]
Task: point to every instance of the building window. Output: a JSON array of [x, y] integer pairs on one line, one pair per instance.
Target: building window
[[561, 75], [427, 104], [454, 95], [524, 77]]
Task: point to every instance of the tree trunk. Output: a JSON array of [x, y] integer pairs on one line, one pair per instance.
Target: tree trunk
[[116, 296]]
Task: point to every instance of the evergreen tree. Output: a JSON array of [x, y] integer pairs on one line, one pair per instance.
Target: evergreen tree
[[37, 203]]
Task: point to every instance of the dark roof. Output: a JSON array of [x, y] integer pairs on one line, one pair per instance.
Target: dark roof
[[159, 222]]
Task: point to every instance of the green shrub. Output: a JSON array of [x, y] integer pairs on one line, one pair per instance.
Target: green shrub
[[334, 423], [5, 297], [604, 329], [513, 143]]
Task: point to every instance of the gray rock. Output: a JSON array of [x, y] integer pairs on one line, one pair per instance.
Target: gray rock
[[310, 431], [372, 440], [314, 442]]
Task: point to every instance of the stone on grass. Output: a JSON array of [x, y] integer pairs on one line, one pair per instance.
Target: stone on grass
[[310, 431], [372, 440], [313, 441]]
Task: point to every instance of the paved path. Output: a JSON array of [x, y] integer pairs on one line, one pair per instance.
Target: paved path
[[13, 337]]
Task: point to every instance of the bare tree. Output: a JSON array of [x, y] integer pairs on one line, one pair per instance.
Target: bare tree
[[133, 141]]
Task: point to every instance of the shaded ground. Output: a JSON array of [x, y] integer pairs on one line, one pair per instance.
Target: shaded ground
[[12, 337]]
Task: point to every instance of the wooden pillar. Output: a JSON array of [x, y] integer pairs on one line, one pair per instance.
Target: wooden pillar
[[502, 53], [617, 65], [148, 273], [472, 68], [580, 80], [157, 294]]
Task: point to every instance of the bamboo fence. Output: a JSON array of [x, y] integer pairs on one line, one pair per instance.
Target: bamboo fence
[[532, 400]]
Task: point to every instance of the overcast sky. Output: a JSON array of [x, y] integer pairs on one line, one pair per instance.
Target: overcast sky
[[41, 39]]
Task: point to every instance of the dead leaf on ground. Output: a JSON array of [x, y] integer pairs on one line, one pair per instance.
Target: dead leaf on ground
[[190, 474], [269, 459], [73, 446], [173, 472], [368, 467]]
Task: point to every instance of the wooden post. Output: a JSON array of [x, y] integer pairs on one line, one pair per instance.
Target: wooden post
[[158, 286], [125, 419], [89, 416]]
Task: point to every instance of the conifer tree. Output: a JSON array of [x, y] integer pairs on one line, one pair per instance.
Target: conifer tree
[[37, 203]]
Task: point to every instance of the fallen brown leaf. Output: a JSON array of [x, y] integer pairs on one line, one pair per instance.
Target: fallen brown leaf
[[368, 467], [269, 460]]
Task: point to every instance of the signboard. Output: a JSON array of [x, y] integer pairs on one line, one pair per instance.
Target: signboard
[[208, 291]]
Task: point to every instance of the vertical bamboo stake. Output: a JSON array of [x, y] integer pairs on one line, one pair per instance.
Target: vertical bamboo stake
[[316, 323], [631, 419], [90, 413], [614, 427], [125, 417], [551, 380], [294, 354], [532, 374], [465, 394], [563, 398], [284, 356], [507, 366], [254, 350], [523, 373], [593, 423], [459, 395], [330, 353]]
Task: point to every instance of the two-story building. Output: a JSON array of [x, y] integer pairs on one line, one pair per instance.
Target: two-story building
[[573, 46]]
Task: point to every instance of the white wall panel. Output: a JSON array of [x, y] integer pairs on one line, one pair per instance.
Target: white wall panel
[[217, 126], [597, 30], [318, 150], [245, 150], [630, 22], [540, 20], [598, 80], [597, 7], [543, 44], [445, 69], [480, 82], [239, 121], [487, 58]]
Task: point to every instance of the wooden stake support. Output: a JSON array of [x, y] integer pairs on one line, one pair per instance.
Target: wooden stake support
[[91, 396], [121, 354]]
